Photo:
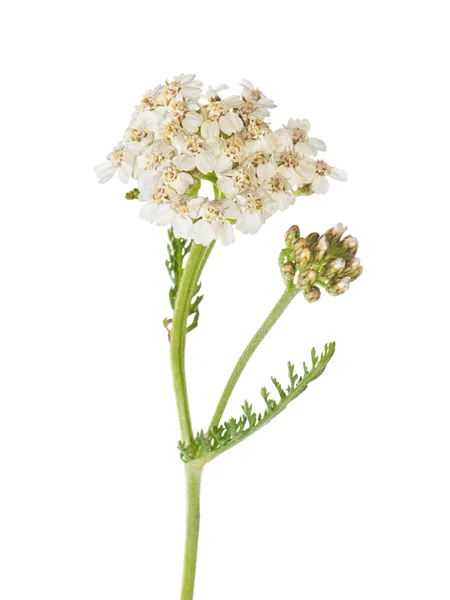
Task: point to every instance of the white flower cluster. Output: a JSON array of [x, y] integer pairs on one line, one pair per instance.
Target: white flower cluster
[[179, 137]]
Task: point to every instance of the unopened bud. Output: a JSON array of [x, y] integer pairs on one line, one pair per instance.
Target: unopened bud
[[322, 244], [292, 234], [337, 265], [350, 244], [309, 277], [304, 258], [339, 286], [313, 294], [353, 269], [288, 271], [312, 238], [338, 230], [132, 194], [354, 263], [298, 246], [321, 248]]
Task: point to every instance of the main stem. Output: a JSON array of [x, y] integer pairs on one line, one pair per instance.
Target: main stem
[[286, 298], [193, 483], [197, 258], [198, 255]]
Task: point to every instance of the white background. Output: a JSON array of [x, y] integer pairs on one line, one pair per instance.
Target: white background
[[345, 495]]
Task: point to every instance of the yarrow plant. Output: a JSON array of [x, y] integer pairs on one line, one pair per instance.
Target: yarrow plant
[[180, 139]]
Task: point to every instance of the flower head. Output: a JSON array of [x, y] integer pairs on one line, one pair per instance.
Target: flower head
[[180, 136]]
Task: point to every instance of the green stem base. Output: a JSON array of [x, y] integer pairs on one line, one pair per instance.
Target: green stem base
[[193, 484]]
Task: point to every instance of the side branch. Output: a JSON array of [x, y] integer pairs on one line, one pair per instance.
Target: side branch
[[286, 298]]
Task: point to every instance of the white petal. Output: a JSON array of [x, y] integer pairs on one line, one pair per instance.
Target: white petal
[[185, 162], [318, 144], [227, 234], [206, 162], [231, 210], [139, 166], [195, 205], [339, 174], [305, 149], [285, 138], [249, 223], [225, 184], [320, 185], [192, 122], [182, 227], [306, 169], [210, 129], [230, 123], [104, 171], [283, 200], [148, 212], [203, 233], [148, 181], [183, 182], [233, 102], [266, 171], [124, 172], [291, 175], [223, 164], [164, 215], [155, 117]]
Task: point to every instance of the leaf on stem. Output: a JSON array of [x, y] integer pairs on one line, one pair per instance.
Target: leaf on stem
[[178, 249], [208, 445]]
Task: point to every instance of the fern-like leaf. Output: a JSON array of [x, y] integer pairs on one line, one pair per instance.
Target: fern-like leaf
[[220, 438], [178, 249]]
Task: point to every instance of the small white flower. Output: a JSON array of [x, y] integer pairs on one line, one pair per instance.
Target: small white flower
[[217, 116], [173, 176], [169, 129], [138, 132], [214, 224], [250, 92], [157, 208], [152, 99], [228, 152], [120, 160], [255, 104], [236, 181], [186, 111], [184, 210], [177, 211], [152, 157], [295, 135], [260, 138], [194, 153], [318, 171], [257, 207], [185, 85], [276, 185], [292, 166]]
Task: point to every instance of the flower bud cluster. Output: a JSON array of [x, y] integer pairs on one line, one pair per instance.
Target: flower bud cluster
[[327, 260]]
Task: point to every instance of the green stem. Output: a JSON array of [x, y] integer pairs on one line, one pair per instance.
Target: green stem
[[279, 308], [197, 258], [193, 483]]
